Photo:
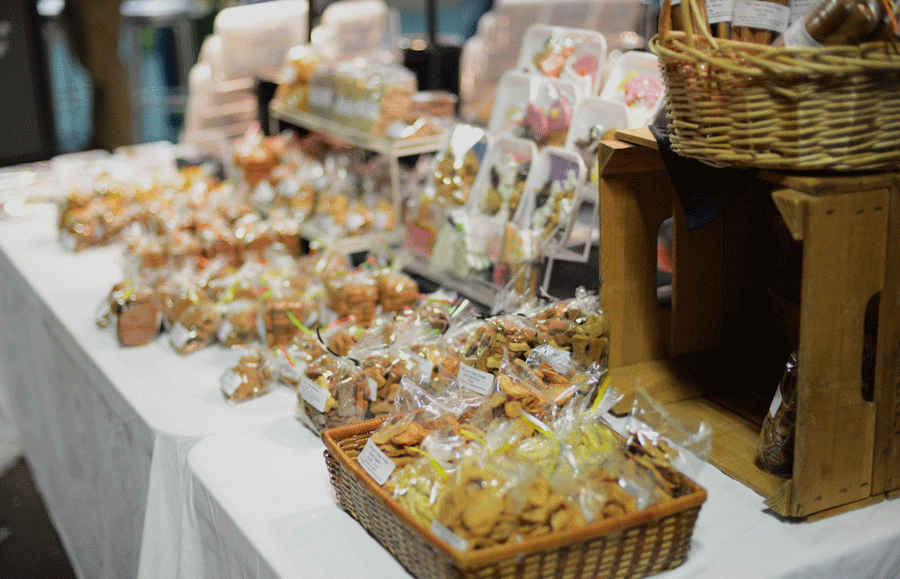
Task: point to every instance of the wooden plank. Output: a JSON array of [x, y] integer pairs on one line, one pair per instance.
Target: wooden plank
[[641, 136], [844, 509], [843, 267], [634, 201], [886, 467], [791, 204], [734, 442], [617, 157], [661, 379], [828, 183]]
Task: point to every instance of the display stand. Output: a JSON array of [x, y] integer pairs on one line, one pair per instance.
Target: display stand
[[390, 148], [709, 356], [393, 149]]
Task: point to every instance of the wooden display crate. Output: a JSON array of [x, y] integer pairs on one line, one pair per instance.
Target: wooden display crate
[[718, 352]]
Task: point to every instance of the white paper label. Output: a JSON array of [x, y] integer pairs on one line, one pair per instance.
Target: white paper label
[[373, 389], [229, 382], [719, 11], [225, 329], [761, 14], [799, 8], [798, 35], [776, 402], [376, 463], [293, 372], [179, 335], [313, 394], [476, 380], [448, 536]]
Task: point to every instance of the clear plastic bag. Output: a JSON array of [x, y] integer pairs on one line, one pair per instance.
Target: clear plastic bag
[[775, 449], [661, 442], [250, 378]]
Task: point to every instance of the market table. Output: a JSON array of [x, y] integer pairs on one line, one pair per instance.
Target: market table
[[264, 508], [105, 429]]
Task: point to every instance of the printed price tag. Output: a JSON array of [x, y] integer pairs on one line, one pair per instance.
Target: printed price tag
[[179, 335], [448, 536], [476, 380], [313, 394], [376, 463], [761, 14], [229, 382], [719, 11], [293, 372], [776, 402]]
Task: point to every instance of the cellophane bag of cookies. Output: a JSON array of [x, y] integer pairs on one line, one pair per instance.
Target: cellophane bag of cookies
[[498, 336], [290, 361], [775, 449], [574, 385], [577, 325], [486, 501], [196, 327], [249, 378], [133, 310], [335, 391], [659, 439]]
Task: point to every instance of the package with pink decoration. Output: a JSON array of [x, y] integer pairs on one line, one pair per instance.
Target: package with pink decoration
[[568, 53], [635, 79], [534, 107]]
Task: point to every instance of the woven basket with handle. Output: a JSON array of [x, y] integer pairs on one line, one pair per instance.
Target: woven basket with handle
[[732, 103]]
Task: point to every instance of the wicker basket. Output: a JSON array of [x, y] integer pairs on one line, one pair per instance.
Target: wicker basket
[[637, 545], [740, 104]]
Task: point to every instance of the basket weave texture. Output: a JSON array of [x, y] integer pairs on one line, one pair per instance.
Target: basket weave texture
[[634, 546], [732, 103]]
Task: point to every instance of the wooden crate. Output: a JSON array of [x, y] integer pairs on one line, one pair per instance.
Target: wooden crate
[[718, 352]]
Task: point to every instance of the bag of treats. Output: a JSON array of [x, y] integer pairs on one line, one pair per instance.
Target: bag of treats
[[290, 361], [497, 336], [570, 383], [240, 322], [196, 327], [133, 311], [577, 325], [249, 378], [482, 502], [334, 392], [661, 441], [354, 295], [775, 450]]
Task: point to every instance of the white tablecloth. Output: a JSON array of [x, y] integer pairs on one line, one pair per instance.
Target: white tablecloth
[[265, 509], [106, 429]]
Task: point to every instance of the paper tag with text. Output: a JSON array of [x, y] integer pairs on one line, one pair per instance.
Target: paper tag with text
[[376, 463]]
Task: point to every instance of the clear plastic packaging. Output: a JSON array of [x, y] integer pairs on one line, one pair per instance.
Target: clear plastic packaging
[[250, 378], [775, 449]]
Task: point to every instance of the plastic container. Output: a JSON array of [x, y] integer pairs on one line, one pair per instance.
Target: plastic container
[[503, 149], [635, 80], [592, 119], [568, 53], [535, 107], [256, 37]]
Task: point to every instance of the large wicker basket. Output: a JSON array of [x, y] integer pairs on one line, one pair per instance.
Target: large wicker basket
[[732, 103], [637, 545]]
